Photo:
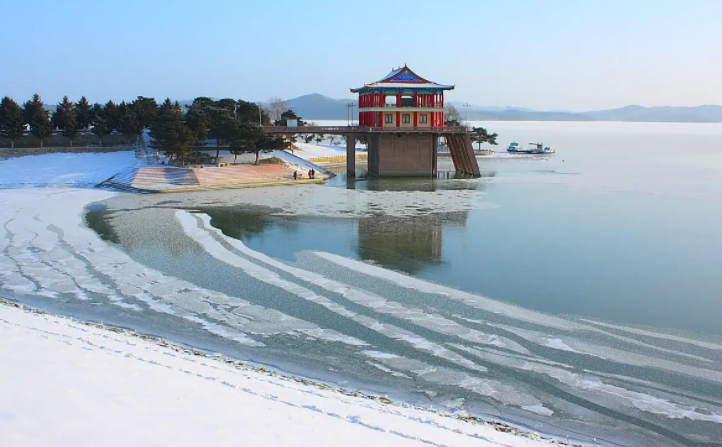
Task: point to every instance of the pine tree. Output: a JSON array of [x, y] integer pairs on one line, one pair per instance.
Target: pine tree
[[166, 107], [171, 135], [112, 114], [11, 120], [82, 113], [100, 122], [197, 122], [128, 122], [37, 117], [64, 119], [145, 110]]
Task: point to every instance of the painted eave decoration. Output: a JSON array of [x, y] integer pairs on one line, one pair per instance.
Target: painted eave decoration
[[403, 77]]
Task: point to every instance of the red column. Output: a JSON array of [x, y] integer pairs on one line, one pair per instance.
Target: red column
[[398, 119], [416, 119], [398, 101]]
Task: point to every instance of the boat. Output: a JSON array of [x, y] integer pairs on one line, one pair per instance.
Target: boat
[[534, 148]]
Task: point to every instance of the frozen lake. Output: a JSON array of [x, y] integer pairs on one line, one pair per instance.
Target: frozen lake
[[576, 293]]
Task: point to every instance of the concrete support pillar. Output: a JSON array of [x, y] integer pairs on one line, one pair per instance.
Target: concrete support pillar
[[351, 155], [434, 155]]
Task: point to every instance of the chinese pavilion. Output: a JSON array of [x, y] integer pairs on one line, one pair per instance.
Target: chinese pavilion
[[401, 99], [401, 117]]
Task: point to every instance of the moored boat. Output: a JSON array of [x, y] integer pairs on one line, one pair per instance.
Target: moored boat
[[534, 148]]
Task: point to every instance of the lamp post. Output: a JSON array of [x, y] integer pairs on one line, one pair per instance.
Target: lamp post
[[466, 106], [349, 113]]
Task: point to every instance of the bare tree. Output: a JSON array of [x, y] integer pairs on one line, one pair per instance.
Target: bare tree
[[278, 106], [451, 113]]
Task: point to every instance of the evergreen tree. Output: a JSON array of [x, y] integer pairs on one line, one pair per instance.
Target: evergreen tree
[[100, 122], [244, 137], [37, 117], [289, 115], [128, 123], [145, 110], [166, 108], [65, 119], [249, 112], [11, 120], [270, 143], [171, 135], [82, 113], [112, 115], [481, 135], [198, 124]]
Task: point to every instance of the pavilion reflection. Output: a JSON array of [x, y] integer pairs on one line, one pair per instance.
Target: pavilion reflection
[[408, 244]]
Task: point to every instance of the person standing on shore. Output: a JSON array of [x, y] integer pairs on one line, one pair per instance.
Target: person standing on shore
[[295, 175]]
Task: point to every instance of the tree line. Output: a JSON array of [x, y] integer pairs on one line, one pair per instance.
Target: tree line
[[174, 129], [72, 119]]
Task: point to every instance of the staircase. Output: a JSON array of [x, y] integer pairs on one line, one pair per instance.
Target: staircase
[[463, 154]]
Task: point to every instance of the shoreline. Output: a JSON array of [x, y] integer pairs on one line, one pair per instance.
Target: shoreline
[[249, 367]]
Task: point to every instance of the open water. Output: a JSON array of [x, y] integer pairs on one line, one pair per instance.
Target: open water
[[578, 293]]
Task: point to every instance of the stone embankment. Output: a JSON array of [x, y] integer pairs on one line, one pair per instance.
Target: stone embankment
[[173, 179]]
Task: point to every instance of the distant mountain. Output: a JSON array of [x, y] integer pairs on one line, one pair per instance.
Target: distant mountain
[[474, 108], [699, 114], [524, 115], [320, 107]]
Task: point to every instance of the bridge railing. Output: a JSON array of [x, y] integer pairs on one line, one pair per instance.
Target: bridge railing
[[341, 130]]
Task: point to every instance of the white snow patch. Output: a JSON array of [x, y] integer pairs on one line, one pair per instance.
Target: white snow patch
[[556, 343], [67, 383]]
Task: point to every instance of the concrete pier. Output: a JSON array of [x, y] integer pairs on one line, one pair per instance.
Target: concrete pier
[[350, 155]]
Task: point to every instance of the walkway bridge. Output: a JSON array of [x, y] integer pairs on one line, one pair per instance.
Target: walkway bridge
[[398, 151]]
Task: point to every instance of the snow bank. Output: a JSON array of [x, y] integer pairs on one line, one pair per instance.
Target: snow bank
[[64, 169], [69, 383]]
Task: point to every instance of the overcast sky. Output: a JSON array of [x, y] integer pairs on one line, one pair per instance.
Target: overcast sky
[[546, 54]]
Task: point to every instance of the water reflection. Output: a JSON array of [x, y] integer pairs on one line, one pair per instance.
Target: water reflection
[[402, 244], [246, 222], [410, 243], [363, 181]]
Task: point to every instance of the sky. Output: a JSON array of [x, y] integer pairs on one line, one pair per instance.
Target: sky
[[545, 54]]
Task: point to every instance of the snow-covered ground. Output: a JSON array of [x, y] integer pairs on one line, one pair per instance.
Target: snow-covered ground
[[64, 382], [64, 169]]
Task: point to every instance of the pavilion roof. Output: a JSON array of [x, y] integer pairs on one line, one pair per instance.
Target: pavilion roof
[[403, 78]]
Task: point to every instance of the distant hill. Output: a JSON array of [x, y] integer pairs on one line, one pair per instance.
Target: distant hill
[[524, 115], [319, 107], [699, 114]]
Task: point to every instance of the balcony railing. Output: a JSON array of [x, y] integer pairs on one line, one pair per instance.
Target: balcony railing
[[342, 130]]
